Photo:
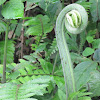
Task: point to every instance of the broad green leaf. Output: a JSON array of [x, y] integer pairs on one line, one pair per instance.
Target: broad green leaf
[[40, 24], [88, 51], [89, 39], [13, 9], [94, 83], [96, 55], [2, 1], [96, 44], [51, 7], [78, 58], [10, 51], [83, 71], [95, 9]]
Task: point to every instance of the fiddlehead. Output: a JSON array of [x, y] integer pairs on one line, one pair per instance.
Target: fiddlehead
[[74, 18]]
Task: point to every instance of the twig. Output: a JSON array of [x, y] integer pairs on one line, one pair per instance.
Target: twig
[[22, 40], [22, 34]]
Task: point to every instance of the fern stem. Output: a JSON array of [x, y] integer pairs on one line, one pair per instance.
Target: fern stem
[[5, 54], [18, 86], [61, 41]]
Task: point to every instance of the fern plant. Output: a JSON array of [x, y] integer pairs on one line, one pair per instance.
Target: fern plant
[[26, 91], [25, 81], [53, 48]]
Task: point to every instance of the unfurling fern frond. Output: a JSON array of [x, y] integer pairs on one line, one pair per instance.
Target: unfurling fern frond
[[74, 17], [10, 91]]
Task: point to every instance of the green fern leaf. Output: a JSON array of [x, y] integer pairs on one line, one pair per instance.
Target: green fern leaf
[[85, 4], [53, 49], [10, 91]]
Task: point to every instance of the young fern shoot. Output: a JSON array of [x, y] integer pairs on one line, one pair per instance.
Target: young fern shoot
[[74, 17]]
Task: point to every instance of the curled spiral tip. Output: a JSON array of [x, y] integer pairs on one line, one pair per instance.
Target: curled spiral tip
[[76, 18]]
